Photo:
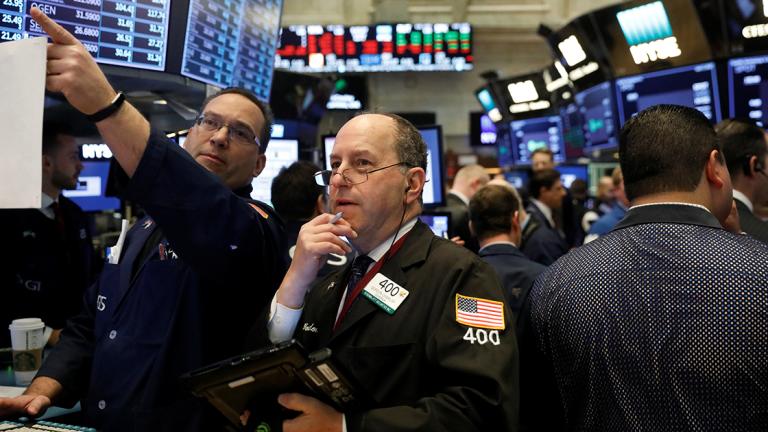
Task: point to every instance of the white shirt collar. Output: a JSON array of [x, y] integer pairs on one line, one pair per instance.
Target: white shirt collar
[[544, 209], [496, 243], [45, 207], [743, 198], [378, 252], [460, 195], [671, 203]]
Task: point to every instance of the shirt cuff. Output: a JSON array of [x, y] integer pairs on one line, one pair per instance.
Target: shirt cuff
[[343, 423], [282, 321]]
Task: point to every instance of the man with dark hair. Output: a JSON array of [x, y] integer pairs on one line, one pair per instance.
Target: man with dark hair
[[653, 326], [297, 199], [52, 259], [181, 290], [416, 353], [746, 153], [546, 195], [495, 220]]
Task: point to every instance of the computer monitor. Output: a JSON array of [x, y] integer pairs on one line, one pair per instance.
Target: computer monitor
[[132, 34], [748, 89], [518, 178], [597, 108], [694, 86], [569, 173], [280, 153], [89, 193], [433, 138], [482, 131], [232, 43], [534, 133], [438, 222]]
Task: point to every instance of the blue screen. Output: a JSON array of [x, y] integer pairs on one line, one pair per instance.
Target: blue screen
[[531, 134], [598, 120], [518, 179], [692, 86], [433, 189], [89, 192], [748, 89], [437, 223], [569, 173]]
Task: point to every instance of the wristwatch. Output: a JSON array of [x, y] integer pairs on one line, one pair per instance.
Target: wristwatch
[[110, 109]]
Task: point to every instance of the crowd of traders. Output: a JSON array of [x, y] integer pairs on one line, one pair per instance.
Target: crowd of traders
[[657, 323]]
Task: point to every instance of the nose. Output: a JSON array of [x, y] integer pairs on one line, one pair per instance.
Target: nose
[[221, 136]]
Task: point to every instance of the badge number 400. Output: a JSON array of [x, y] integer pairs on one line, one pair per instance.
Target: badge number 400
[[482, 336]]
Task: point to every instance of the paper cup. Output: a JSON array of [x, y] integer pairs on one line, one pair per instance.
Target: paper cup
[[27, 342]]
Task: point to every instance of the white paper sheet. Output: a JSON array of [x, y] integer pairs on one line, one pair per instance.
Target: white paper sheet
[[22, 95]]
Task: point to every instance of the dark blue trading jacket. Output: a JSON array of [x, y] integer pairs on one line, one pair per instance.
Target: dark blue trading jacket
[[191, 302]]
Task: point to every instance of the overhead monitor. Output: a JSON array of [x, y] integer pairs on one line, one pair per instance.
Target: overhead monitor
[[438, 222], [375, 48], [748, 89], [232, 43], [746, 25], [597, 108], [482, 131], [580, 58], [89, 193], [487, 100], [281, 153], [534, 133], [573, 130], [132, 34], [569, 173], [524, 95], [518, 178], [694, 86], [433, 138]]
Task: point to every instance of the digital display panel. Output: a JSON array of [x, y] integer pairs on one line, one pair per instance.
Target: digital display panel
[[693, 86], [748, 89], [518, 179], [91, 186], [569, 173], [126, 33], [280, 153], [433, 138], [437, 222], [482, 131], [485, 97], [540, 132], [573, 130], [375, 48], [232, 43], [598, 121]]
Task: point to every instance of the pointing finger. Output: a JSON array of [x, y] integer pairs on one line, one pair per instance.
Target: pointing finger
[[58, 33]]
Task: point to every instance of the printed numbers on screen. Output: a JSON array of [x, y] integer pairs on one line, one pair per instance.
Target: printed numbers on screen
[[8, 36], [389, 287], [482, 336]]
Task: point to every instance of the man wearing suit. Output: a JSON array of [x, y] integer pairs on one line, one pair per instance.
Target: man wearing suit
[[546, 244], [495, 220], [746, 153], [468, 180], [438, 355], [654, 326]]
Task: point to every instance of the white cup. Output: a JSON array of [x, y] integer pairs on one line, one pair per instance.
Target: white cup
[[27, 342]]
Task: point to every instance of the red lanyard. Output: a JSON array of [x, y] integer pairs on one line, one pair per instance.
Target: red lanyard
[[351, 296]]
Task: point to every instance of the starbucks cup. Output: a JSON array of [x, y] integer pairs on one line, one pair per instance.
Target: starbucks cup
[[27, 342]]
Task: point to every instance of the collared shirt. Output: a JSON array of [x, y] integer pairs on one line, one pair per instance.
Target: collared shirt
[[743, 198], [283, 320], [45, 208], [545, 210], [671, 203], [496, 243], [460, 196]]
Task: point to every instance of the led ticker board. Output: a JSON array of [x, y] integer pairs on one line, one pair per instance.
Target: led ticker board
[[125, 33], [376, 48], [693, 86], [232, 43], [748, 89]]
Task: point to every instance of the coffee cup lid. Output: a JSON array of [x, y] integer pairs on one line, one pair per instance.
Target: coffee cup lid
[[26, 324]]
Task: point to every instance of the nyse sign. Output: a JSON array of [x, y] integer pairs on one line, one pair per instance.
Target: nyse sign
[[655, 50]]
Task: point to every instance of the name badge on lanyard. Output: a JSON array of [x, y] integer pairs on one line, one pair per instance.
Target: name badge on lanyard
[[384, 293]]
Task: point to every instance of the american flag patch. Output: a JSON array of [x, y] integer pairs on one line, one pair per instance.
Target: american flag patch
[[477, 312]]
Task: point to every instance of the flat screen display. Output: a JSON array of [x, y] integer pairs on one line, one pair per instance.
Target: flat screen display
[[232, 43], [437, 222], [569, 173], [122, 33], [433, 138], [280, 153], [598, 118], [535, 133], [693, 86], [482, 130], [91, 186], [376, 48], [748, 89], [518, 178]]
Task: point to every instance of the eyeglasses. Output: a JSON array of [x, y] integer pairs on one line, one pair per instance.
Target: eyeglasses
[[235, 133], [350, 175]]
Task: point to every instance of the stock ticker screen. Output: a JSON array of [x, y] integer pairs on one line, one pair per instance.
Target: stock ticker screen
[[597, 113], [535, 133], [126, 33], [748, 89], [232, 43], [375, 48]]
